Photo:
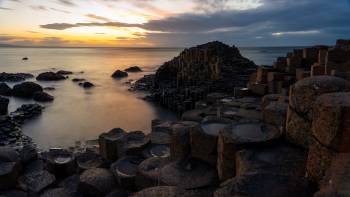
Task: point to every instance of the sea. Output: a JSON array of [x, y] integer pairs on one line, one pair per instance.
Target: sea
[[79, 114]]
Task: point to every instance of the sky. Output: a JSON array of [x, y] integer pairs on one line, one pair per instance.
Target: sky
[[173, 23]]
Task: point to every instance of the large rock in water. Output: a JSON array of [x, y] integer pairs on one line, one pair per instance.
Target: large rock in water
[[50, 76], [26, 89], [215, 62]]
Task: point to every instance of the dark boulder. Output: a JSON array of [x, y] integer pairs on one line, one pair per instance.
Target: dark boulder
[[26, 89], [5, 90], [133, 69], [4, 102], [42, 97], [60, 162], [119, 74], [78, 79], [14, 77], [86, 84], [50, 76], [64, 72], [96, 182]]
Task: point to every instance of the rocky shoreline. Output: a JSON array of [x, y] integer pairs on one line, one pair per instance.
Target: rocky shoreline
[[269, 131]]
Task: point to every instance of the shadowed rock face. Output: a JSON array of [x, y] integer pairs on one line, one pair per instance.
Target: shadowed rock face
[[213, 62]]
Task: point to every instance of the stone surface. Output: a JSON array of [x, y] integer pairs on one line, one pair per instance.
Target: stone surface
[[9, 172], [133, 69], [26, 89], [96, 182], [4, 102], [64, 72], [135, 142], [264, 185], [111, 144], [161, 132], [14, 77], [125, 170], [276, 113], [89, 160], [42, 97], [149, 172], [119, 74], [50, 76], [13, 193], [331, 121], [56, 192], [5, 90], [60, 162], [188, 175], [36, 181]]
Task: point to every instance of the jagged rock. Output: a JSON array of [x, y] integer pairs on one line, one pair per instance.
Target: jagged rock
[[64, 72], [133, 69], [330, 123], [149, 172], [111, 144], [237, 136], [135, 142], [5, 90], [161, 133], [180, 140], [188, 175], [13, 193], [14, 77], [89, 160], [26, 89], [36, 181], [204, 140], [50, 76], [125, 170], [264, 185], [318, 161], [56, 192], [42, 97], [119, 74], [303, 95], [96, 182], [60, 162], [156, 150], [4, 102], [275, 113], [280, 159]]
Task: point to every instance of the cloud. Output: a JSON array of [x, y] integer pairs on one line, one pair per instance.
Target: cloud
[[63, 26], [67, 2], [39, 7], [100, 18], [301, 33], [3, 8], [59, 10]]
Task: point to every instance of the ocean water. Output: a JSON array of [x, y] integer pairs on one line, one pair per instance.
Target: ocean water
[[78, 114]]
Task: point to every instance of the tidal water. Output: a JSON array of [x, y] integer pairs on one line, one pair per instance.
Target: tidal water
[[78, 114]]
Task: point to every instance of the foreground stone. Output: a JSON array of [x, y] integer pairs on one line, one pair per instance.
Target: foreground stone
[[188, 175], [161, 132], [9, 168], [89, 160], [135, 142], [119, 74], [125, 170], [303, 95], [26, 89], [264, 185], [96, 182], [56, 192], [149, 172], [4, 102], [36, 181], [60, 162], [111, 144], [50, 76]]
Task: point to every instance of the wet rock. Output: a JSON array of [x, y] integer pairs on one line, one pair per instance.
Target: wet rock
[[60, 162], [161, 133], [5, 90], [78, 79], [331, 121], [42, 97], [149, 172], [4, 102], [26, 89], [50, 76], [135, 142], [318, 161], [204, 140], [96, 182], [133, 69], [180, 147], [50, 88], [111, 144], [71, 184], [9, 167], [264, 185], [188, 175], [56, 192], [237, 136], [36, 181], [26, 112], [280, 159], [275, 113], [156, 150], [14, 77], [28, 153], [64, 72], [89, 160], [125, 170], [119, 74], [13, 193], [86, 84], [25, 58]]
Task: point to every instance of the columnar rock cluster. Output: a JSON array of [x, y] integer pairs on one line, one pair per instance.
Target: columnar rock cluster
[[197, 71], [299, 64]]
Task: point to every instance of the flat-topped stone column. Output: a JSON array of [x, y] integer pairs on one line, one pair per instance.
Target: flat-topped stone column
[[111, 144]]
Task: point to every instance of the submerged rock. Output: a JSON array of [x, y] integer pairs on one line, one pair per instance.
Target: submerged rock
[[86, 84], [5, 90], [50, 76], [14, 77], [133, 69], [119, 74], [26, 89], [64, 72], [42, 97]]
